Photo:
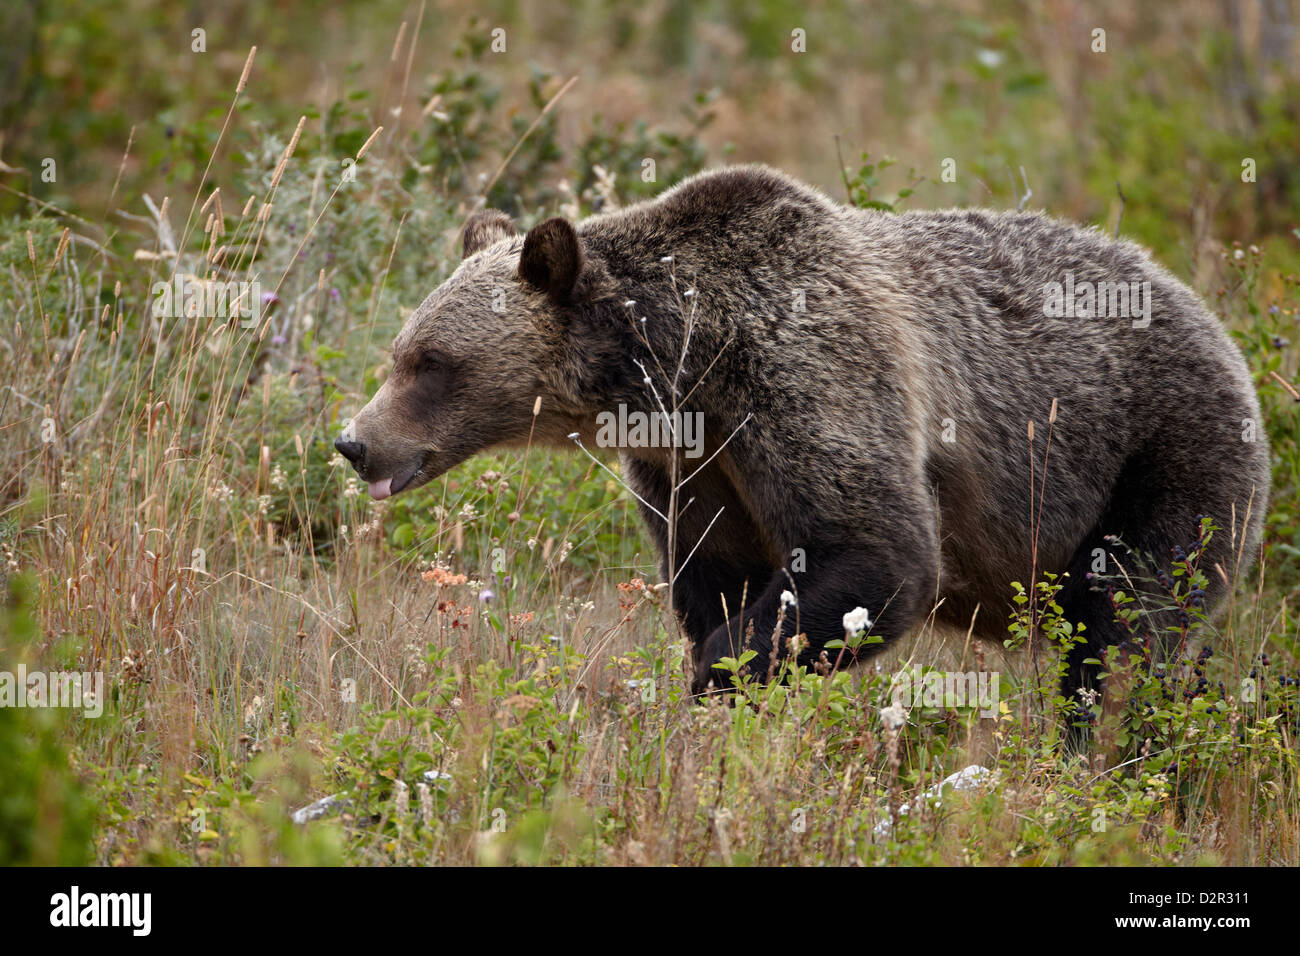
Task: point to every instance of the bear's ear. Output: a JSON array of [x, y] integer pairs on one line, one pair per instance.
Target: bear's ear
[[552, 258], [484, 228]]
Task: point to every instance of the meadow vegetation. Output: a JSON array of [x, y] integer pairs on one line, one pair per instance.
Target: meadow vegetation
[[485, 670]]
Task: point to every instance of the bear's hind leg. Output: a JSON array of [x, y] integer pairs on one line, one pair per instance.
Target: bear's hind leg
[[1150, 517]]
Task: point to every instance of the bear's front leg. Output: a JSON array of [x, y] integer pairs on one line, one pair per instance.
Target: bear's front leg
[[892, 587], [716, 565]]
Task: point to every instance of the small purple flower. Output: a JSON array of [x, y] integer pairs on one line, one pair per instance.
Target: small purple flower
[[485, 595], [334, 294], [270, 298], [278, 340]]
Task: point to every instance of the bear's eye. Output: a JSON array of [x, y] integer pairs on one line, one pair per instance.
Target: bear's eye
[[431, 363], [432, 376]]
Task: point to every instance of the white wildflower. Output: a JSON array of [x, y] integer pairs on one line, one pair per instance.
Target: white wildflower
[[220, 491], [604, 186], [426, 803], [893, 716], [857, 620]]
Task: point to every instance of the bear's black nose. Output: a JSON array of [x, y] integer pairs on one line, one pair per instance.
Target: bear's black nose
[[351, 450]]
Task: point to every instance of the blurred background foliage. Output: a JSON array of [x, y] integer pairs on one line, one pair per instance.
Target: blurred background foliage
[[1182, 94]]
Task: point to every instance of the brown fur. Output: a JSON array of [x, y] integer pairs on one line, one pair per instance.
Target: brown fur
[[858, 342]]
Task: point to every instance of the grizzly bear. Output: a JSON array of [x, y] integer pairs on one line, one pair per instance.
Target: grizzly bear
[[865, 382]]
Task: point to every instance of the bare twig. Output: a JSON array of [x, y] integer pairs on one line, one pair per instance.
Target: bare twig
[[1291, 390], [528, 132], [844, 172], [1021, 200]]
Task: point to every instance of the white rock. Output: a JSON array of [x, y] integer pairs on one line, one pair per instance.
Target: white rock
[[968, 778]]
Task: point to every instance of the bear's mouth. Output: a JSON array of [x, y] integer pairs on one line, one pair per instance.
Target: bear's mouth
[[392, 485]]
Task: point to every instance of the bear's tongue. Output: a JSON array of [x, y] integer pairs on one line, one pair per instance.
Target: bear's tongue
[[381, 489]]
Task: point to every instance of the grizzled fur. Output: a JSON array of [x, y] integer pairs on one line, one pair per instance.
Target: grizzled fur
[[855, 342]]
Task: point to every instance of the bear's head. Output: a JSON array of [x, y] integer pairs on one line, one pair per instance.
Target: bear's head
[[471, 362]]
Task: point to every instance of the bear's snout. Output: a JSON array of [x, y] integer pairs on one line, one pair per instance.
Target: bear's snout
[[370, 466], [353, 451]]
